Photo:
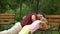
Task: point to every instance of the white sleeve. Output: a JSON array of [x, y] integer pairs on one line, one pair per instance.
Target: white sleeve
[[14, 30], [35, 25]]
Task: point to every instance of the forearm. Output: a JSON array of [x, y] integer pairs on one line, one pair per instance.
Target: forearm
[[44, 27], [25, 30], [14, 30]]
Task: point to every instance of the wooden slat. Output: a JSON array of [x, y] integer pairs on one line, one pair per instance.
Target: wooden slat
[[53, 20], [7, 16], [53, 24], [4, 22], [52, 16], [6, 19]]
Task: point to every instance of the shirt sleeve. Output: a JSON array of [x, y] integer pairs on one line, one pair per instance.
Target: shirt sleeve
[[35, 25], [25, 30]]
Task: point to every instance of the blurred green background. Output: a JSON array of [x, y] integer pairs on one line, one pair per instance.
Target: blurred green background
[[24, 7]]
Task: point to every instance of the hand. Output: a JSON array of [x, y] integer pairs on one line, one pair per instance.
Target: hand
[[33, 18], [43, 26], [42, 23]]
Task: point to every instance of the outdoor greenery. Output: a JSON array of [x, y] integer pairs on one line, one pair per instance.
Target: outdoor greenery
[[29, 6], [24, 7]]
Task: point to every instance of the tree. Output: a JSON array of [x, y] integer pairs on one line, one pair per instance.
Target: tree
[[8, 4]]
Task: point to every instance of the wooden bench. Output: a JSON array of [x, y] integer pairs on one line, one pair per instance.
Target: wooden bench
[[53, 20], [6, 18]]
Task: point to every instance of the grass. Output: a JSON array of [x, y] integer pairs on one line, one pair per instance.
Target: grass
[[48, 32]]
